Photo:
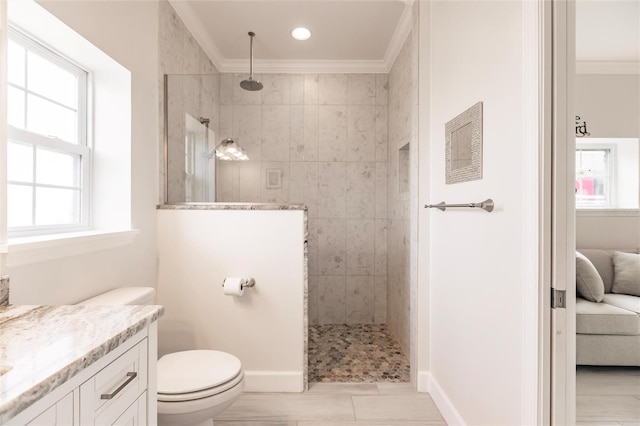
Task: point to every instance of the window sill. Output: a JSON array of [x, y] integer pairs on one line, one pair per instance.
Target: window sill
[[43, 248], [608, 212]]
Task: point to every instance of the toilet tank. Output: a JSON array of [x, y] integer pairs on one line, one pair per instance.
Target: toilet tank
[[123, 296]]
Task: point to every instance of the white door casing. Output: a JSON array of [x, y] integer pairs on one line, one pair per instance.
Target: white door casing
[[562, 235]]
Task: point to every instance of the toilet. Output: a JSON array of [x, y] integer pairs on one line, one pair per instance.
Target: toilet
[[193, 386]]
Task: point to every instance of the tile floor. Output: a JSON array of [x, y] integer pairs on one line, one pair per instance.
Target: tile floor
[[608, 396], [355, 353], [336, 404]]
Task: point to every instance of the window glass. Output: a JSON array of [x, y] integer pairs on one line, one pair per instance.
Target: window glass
[[50, 119], [63, 206], [16, 67], [57, 168], [593, 177], [15, 110], [20, 166], [19, 205], [40, 74], [607, 173]]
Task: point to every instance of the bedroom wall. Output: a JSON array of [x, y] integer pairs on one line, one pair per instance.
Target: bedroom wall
[[610, 104]]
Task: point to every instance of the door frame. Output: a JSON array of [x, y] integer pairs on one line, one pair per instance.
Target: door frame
[[560, 229], [548, 381]]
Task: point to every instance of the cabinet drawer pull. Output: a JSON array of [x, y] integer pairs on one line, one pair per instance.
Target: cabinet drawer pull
[[132, 375]]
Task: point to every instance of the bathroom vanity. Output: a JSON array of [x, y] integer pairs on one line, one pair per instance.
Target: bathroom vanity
[[78, 365]]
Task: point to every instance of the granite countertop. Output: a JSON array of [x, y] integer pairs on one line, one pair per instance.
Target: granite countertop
[[231, 206], [42, 347]]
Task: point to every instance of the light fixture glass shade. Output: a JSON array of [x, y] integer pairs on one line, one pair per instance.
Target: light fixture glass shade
[[228, 150]]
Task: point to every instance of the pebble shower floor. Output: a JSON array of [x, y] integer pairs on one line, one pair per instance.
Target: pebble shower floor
[[364, 353]]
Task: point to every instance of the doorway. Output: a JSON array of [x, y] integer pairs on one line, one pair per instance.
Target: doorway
[[607, 128]]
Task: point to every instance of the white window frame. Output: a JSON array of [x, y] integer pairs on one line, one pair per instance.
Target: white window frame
[[81, 148], [611, 184]]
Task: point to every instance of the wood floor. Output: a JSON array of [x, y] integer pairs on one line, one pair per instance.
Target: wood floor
[[336, 404], [608, 396]]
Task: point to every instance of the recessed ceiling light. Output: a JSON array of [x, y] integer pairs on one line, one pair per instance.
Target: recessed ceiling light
[[301, 33]]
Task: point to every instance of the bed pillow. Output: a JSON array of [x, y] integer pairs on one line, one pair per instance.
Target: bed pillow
[[588, 281], [626, 273]]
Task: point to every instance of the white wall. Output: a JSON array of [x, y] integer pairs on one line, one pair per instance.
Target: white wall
[[608, 232], [610, 104], [197, 249], [476, 258], [128, 32]]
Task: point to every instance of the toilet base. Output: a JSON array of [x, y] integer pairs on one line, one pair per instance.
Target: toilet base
[[199, 412]]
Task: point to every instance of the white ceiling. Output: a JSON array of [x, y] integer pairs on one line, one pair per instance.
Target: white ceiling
[[347, 35], [366, 35]]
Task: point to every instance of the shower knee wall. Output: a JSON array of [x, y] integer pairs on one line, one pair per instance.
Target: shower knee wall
[[266, 327]]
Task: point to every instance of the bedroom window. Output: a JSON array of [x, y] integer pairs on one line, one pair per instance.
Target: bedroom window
[[593, 178], [48, 155], [607, 173]]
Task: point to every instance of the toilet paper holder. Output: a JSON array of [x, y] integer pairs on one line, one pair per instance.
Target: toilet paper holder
[[249, 282]]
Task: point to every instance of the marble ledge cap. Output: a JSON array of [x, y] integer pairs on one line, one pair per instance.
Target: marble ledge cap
[[231, 206], [4, 290]]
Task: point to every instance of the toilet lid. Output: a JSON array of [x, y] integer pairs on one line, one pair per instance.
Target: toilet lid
[[192, 371]]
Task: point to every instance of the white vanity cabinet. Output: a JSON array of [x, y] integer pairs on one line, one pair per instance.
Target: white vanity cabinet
[[117, 389], [59, 414]]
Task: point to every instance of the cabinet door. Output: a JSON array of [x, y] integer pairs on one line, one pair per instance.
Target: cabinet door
[[112, 391], [135, 415], [59, 414]]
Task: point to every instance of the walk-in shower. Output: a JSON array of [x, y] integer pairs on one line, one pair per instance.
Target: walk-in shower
[[332, 143]]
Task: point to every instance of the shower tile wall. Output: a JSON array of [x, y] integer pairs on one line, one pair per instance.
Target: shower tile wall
[[196, 92], [322, 140], [402, 132]]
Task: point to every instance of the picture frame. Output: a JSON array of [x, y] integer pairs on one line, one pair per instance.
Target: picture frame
[[463, 146]]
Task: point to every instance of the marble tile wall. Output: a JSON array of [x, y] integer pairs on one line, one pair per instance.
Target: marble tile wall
[[325, 136], [193, 89], [401, 87]]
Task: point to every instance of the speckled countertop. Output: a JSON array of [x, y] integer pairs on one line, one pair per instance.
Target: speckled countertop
[[42, 347], [231, 206]]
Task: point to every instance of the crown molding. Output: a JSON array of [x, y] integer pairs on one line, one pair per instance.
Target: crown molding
[[607, 67], [400, 35], [303, 66], [382, 66], [198, 31]]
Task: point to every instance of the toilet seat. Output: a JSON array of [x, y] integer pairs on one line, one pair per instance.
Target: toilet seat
[[205, 393], [197, 374]]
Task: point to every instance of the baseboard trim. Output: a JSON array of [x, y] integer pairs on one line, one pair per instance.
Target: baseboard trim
[[444, 404], [422, 384], [273, 381]]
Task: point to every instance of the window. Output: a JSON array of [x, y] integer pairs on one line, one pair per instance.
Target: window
[[48, 155], [593, 177], [607, 173]]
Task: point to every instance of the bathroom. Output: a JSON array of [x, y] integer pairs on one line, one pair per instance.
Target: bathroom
[[326, 136], [441, 305], [323, 138]]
